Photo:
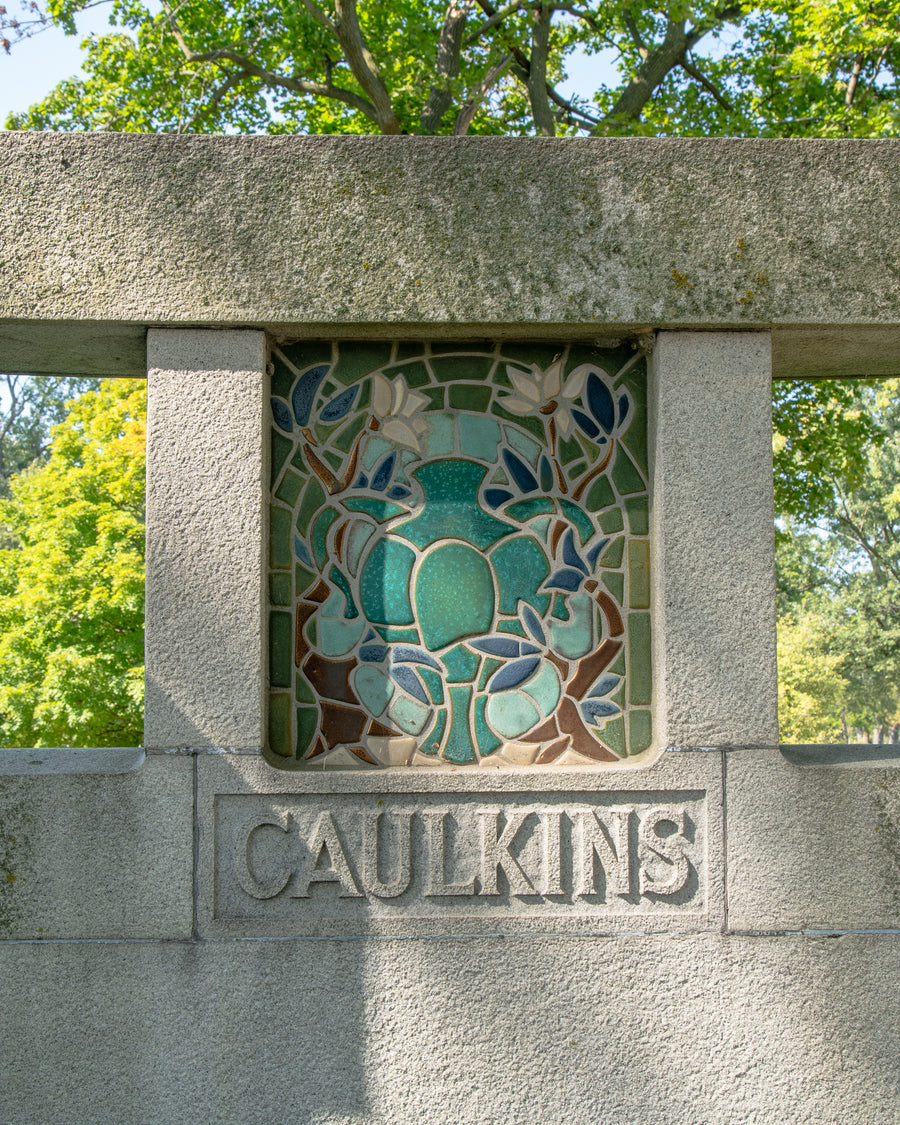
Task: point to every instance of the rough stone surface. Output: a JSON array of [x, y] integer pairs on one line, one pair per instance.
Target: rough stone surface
[[814, 839], [592, 1031], [439, 235], [255, 824], [95, 855], [206, 539], [712, 521]]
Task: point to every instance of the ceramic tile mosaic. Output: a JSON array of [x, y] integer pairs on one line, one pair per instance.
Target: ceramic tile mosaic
[[459, 561]]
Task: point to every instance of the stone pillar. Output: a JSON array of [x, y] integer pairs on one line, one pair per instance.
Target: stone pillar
[[205, 539], [712, 517]]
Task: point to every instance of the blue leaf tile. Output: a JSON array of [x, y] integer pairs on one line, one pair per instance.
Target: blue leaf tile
[[586, 424], [382, 475], [570, 555], [533, 624], [282, 415], [373, 654], [496, 496], [339, 407], [409, 681], [564, 579], [604, 686], [404, 654], [497, 646], [594, 552], [523, 477], [300, 550], [305, 392], [600, 402], [510, 675], [624, 407], [546, 475], [362, 481], [398, 492], [594, 709]]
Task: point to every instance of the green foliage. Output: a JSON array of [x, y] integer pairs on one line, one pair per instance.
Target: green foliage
[[72, 580], [819, 67], [810, 684]]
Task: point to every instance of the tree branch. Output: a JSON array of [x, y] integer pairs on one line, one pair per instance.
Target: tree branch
[[363, 65], [854, 79], [536, 84], [705, 82], [468, 111], [440, 96], [213, 104]]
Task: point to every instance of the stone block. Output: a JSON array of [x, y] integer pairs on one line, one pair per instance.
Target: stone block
[[813, 839], [711, 527], [96, 855], [205, 539], [685, 1030], [443, 851]]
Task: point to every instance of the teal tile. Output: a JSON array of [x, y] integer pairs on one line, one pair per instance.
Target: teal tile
[[374, 688], [521, 567], [459, 746], [487, 741], [432, 741], [512, 714], [320, 533], [544, 688], [576, 516], [574, 638], [479, 437], [461, 665], [440, 442], [448, 571], [529, 449], [407, 713], [384, 583]]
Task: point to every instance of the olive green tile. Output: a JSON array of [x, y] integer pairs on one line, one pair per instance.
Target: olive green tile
[[639, 684], [615, 583], [448, 368], [611, 521], [599, 495], [280, 451], [466, 396], [638, 509], [640, 731], [280, 648], [639, 574], [355, 360], [280, 592], [280, 555], [280, 724], [290, 487]]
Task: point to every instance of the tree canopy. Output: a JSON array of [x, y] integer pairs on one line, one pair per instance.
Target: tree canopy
[[72, 580], [822, 67]]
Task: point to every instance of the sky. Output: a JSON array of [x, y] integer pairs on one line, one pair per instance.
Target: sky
[[34, 66]]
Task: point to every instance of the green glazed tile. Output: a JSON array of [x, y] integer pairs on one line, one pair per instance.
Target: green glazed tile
[[533, 425], [303, 579], [408, 714], [637, 508], [627, 478], [280, 592], [312, 631], [399, 636], [461, 665], [350, 610], [568, 450], [611, 521], [529, 450], [458, 747], [640, 731], [560, 612], [313, 499], [489, 667], [365, 396], [612, 556], [384, 583], [440, 442], [512, 714], [415, 374], [375, 449], [307, 725], [544, 689], [615, 583], [281, 450], [282, 378], [334, 460], [639, 658], [303, 692], [450, 489], [380, 510], [433, 683], [520, 566], [639, 574], [409, 349], [432, 741], [306, 354], [328, 388], [280, 724], [511, 627], [479, 437], [344, 440], [443, 616], [525, 509], [355, 360], [319, 534], [487, 741], [618, 665], [599, 495], [290, 488], [576, 516], [636, 435], [280, 553], [435, 396], [448, 368], [465, 396], [574, 638], [575, 472], [613, 736], [374, 688]]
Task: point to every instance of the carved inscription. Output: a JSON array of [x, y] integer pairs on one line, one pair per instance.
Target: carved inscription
[[307, 856]]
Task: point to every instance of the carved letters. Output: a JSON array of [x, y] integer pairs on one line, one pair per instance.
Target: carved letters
[[599, 855]]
